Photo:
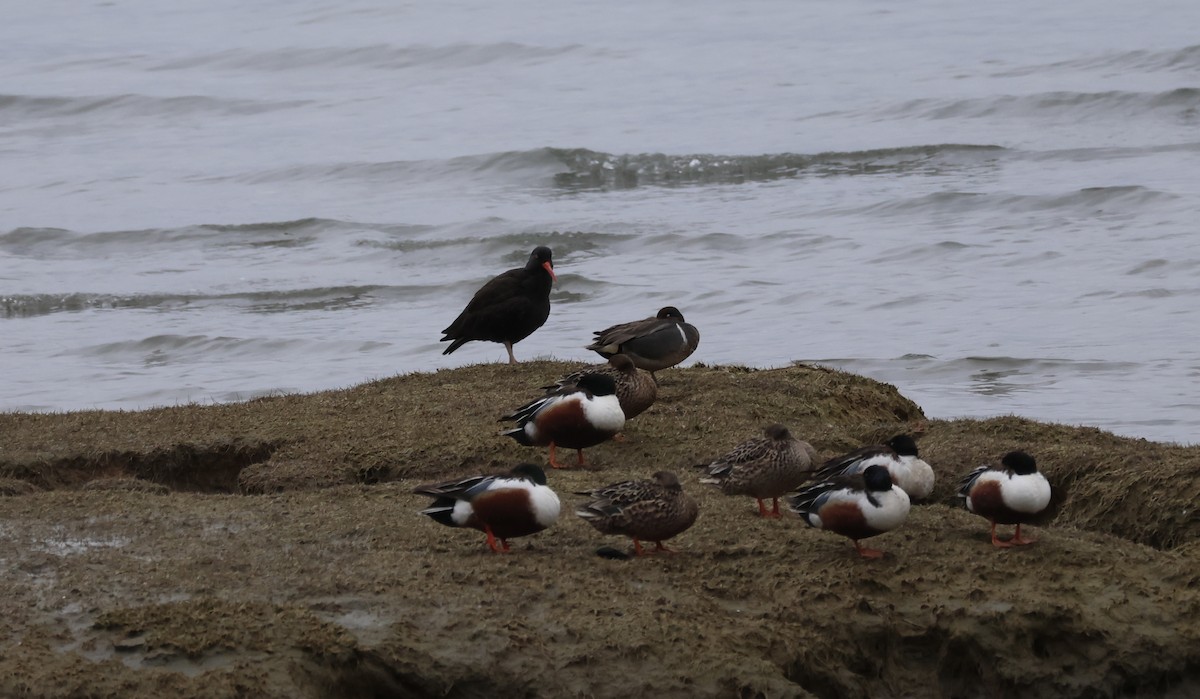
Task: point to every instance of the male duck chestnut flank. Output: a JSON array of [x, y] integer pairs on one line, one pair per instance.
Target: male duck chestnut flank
[[574, 417], [1014, 492], [857, 506], [503, 507]]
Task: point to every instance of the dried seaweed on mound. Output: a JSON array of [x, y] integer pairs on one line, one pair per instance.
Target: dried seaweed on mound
[[346, 591], [749, 607], [433, 424], [1132, 488], [11, 486]]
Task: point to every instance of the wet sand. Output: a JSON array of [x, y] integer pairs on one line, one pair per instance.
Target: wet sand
[[272, 548]]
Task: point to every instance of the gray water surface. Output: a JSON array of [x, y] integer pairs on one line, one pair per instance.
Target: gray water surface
[[993, 207]]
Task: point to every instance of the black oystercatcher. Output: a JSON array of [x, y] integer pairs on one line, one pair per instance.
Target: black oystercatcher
[[652, 343], [508, 308]]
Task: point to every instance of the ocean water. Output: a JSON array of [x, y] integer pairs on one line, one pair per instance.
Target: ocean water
[[992, 206]]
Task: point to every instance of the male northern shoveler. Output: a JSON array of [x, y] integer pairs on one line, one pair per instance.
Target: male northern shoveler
[[504, 507], [508, 308], [574, 417], [652, 510], [1014, 492], [763, 467], [652, 343], [899, 455], [857, 506], [636, 389]]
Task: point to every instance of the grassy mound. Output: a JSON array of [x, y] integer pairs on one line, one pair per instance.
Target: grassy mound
[[272, 548]]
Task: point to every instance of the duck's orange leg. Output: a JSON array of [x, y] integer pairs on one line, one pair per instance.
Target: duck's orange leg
[[553, 463], [999, 543], [865, 552], [637, 547], [764, 512], [491, 539], [1018, 540], [579, 456]]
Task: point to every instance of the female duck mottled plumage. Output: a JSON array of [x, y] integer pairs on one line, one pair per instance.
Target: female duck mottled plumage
[[574, 417], [1014, 492], [650, 510], [652, 343], [502, 506], [899, 455], [763, 467], [857, 506], [636, 389]]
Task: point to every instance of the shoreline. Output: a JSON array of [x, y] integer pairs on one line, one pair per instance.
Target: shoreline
[[583, 360]]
